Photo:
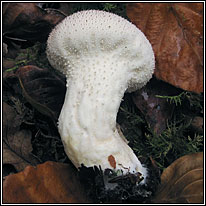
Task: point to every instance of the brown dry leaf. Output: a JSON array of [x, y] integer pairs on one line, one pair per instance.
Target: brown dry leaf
[[182, 181], [198, 124], [50, 182], [157, 111], [27, 21], [17, 146], [17, 151], [65, 7], [175, 31], [43, 89]]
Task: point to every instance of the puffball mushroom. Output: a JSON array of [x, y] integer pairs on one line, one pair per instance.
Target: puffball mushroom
[[102, 56]]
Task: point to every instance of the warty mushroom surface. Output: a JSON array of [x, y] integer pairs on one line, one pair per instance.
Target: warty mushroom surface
[[102, 56]]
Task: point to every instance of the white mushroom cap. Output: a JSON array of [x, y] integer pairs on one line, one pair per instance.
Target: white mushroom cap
[[102, 55]]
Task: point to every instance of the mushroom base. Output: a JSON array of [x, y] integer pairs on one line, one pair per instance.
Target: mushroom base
[[109, 187]]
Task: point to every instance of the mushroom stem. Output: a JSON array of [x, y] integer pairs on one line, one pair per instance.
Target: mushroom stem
[[87, 122]]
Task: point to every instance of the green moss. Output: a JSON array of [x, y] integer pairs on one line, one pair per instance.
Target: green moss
[[177, 99], [34, 55]]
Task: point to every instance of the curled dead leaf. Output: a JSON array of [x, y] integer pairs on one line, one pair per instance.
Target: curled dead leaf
[[157, 111], [42, 89], [175, 31], [17, 146], [27, 21], [182, 181], [50, 182]]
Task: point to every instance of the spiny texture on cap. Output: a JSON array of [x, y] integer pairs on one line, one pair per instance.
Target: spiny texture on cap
[[102, 56], [89, 36]]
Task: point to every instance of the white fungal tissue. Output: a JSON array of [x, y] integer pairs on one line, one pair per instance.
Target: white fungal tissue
[[103, 56]]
